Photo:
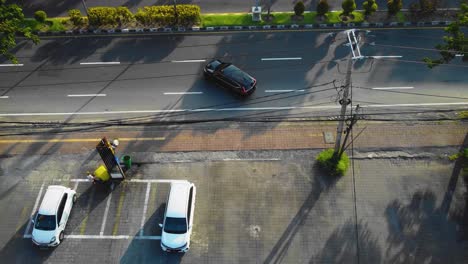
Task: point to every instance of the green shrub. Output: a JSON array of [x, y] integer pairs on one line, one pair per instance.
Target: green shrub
[[164, 15], [75, 17], [427, 6], [465, 154], [335, 168], [40, 16], [369, 6], [102, 16], [124, 15], [299, 8], [394, 6], [348, 7], [322, 7], [453, 156]]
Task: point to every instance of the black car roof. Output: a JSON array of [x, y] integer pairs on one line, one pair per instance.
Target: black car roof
[[237, 74]]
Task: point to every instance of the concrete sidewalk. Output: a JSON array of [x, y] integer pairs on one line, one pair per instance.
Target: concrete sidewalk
[[245, 136]]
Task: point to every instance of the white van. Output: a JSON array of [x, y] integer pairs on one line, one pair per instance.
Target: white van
[[178, 218], [52, 216]]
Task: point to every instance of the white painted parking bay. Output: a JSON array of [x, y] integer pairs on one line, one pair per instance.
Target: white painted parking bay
[[132, 210]]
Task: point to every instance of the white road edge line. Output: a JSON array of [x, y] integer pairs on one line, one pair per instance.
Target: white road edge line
[[393, 88], [221, 109], [106, 211], [4, 97], [179, 93], [85, 95], [11, 65], [100, 62], [383, 57], [178, 61], [272, 159], [36, 204], [145, 207], [277, 59], [282, 91]]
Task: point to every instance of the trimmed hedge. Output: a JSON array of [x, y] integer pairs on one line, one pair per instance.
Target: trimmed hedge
[[109, 16], [164, 15], [75, 17]]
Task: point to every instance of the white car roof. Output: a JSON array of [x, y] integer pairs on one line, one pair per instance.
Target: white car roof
[[178, 198], [51, 199]]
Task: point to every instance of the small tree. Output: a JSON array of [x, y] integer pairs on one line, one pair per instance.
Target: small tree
[[11, 25], [394, 6], [322, 7], [369, 6], [124, 15], [75, 17], [348, 7], [40, 16], [299, 8]]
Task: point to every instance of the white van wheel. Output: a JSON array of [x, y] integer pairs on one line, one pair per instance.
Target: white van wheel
[[61, 236], [74, 198]]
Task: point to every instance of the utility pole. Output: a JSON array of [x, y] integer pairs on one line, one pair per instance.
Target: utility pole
[[85, 8], [175, 12], [353, 121], [344, 104]]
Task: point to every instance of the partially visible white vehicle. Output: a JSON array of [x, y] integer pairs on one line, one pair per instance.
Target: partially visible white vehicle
[[178, 218], [52, 216]]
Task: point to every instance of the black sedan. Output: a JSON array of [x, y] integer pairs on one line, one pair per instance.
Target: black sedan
[[231, 77]]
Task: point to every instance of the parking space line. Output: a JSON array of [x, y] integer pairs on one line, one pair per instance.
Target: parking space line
[[119, 212], [145, 207], [36, 204], [106, 211], [88, 209], [76, 186]]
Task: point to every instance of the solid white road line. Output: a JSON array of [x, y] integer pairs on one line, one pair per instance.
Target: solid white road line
[[278, 59], [459, 55], [282, 91], [106, 211], [85, 95], [145, 207], [36, 204], [4, 97], [179, 93], [178, 61], [100, 62], [322, 107], [392, 88], [11, 65], [384, 57]]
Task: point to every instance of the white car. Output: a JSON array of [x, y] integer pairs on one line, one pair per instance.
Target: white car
[[178, 218], [52, 216]]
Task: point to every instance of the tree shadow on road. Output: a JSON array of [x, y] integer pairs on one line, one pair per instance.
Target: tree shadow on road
[[419, 232], [321, 183], [342, 247]]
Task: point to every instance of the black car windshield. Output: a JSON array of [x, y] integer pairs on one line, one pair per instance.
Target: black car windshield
[[238, 75], [45, 222], [175, 225]]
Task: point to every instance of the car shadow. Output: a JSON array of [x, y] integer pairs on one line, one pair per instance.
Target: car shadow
[[149, 250]]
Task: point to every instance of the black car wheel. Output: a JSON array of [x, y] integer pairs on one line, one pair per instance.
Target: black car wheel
[[61, 236]]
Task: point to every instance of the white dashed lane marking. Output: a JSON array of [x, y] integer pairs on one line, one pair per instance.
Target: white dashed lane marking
[[11, 65], [278, 59], [85, 95], [182, 93], [101, 63], [393, 88], [180, 61]]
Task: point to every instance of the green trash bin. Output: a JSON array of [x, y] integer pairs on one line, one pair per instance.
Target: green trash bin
[[127, 161]]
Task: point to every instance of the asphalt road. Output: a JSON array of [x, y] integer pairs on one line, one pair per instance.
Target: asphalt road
[[161, 76], [60, 7], [263, 207]]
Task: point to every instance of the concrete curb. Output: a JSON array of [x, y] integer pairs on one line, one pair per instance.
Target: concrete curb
[[194, 29]]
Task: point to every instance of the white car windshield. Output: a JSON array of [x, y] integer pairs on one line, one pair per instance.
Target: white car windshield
[[45, 222], [175, 225]]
